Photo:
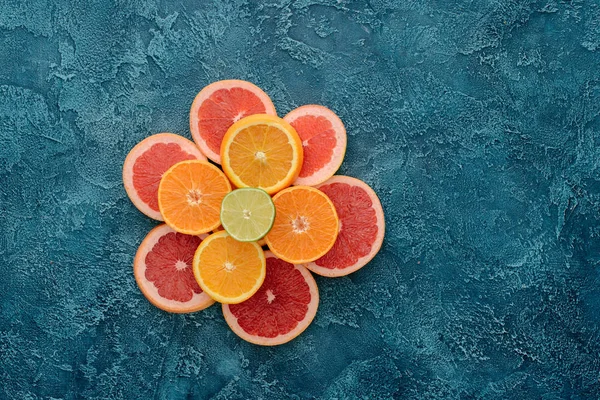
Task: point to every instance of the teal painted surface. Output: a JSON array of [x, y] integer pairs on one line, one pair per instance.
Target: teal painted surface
[[477, 123]]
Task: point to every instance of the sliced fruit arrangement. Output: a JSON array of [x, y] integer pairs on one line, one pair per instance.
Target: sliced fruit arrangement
[[323, 138], [247, 214], [330, 225], [306, 225], [190, 195], [148, 161], [361, 227], [262, 151], [163, 271], [280, 310], [228, 270], [221, 104]]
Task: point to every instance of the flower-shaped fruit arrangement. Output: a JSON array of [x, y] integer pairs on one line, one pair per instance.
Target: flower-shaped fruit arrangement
[[275, 188]]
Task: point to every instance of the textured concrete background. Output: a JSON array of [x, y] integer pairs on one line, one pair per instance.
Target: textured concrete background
[[476, 121]]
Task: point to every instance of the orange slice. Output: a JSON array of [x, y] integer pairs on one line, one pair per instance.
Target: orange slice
[[227, 270], [262, 151], [190, 195], [306, 225], [221, 104]]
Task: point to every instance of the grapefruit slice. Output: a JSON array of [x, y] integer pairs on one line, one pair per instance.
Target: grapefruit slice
[[362, 227], [262, 151], [148, 161], [221, 104], [163, 271], [190, 195], [305, 227], [283, 307], [323, 138]]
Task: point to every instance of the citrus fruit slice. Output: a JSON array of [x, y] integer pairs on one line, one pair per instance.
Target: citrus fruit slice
[[323, 140], [283, 307], [362, 227], [148, 161], [218, 106], [306, 225], [227, 270], [261, 151], [163, 271], [247, 214], [190, 195]]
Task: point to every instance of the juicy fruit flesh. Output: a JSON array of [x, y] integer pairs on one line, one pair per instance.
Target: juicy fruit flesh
[[278, 306], [247, 213], [151, 165], [318, 141], [222, 109], [305, 225], [190, 196], [228, 267], [358, 222], [169, 266], [261, 155]]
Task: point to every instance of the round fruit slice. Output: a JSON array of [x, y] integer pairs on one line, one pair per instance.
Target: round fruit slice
[[190, 195], [221, 104], [163, 270], [323, 140], [148, 161], [227, 270], [362, 227], [283, 307], [306, 225], [262, 151], [247, 214]]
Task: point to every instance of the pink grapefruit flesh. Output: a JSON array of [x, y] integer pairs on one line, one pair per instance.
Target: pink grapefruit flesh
[[323, 140], [163, 271], [218, 106], [148, 161], [362, 227], [283, 307]]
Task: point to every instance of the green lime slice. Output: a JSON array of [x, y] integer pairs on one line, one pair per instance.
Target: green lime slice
[[247, 214]]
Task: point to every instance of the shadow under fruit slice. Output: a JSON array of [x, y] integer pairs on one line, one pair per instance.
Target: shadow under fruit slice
[[323, 138], [148, 161], [190, 195], [283, 307], [362, 227], [163, 271], [221, 104], [306, 225], [261, 151], [229, 271]]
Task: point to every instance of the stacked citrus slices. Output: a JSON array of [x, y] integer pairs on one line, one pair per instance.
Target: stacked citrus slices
[[249, 210]]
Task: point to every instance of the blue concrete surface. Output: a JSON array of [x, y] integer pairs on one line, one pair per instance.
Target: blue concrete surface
[[476, 121]]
